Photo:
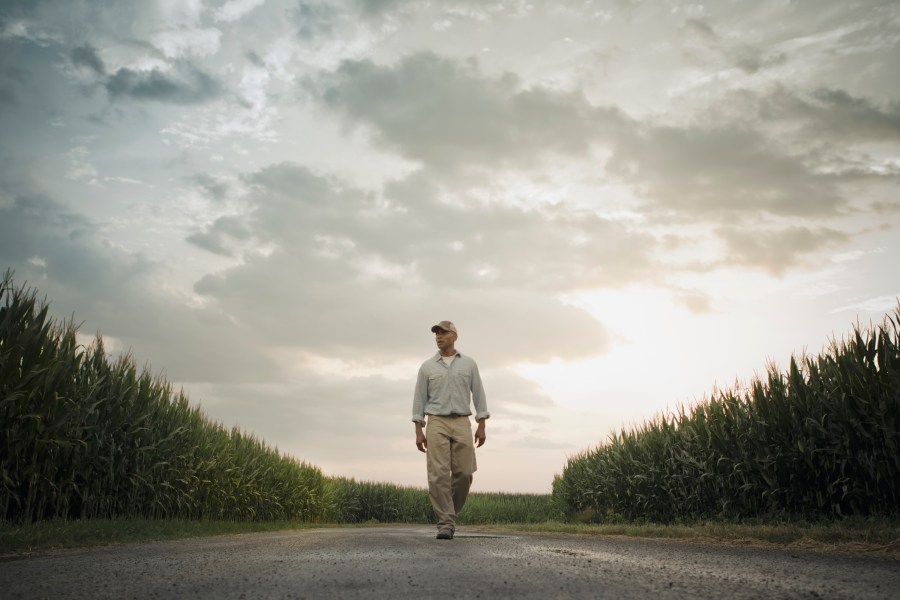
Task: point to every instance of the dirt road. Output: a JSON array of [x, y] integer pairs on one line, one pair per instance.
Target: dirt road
[[407, 562]]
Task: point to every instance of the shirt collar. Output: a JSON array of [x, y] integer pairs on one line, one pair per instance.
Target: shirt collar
[[437, 355]]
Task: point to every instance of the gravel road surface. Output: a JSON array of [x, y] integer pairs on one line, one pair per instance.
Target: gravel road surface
[[407, 562]]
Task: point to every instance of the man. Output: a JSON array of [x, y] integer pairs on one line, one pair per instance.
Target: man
[[446, 386]]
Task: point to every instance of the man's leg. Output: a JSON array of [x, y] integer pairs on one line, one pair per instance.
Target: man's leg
[[438, 459], [462, 462]]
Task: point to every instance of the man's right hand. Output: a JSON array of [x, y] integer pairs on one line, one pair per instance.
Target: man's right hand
[[421, 442]]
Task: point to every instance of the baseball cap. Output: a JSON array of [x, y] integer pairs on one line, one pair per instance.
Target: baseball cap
[[446, 326]]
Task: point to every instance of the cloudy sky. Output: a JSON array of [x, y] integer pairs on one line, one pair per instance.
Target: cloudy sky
[[621, 203]]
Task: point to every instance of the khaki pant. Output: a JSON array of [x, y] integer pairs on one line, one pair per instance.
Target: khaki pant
[[451, 462]]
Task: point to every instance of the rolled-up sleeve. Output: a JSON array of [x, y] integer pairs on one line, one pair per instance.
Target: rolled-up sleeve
[[478, 397], [420, 397]]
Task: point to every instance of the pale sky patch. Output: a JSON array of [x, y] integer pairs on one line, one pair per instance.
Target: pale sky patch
[[877, 306], [176, 43], [236, 9]]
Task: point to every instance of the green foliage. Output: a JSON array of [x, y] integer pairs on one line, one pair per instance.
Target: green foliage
[[351, 501], [483, 508], [65, 533], [84, 437], [817, 441]]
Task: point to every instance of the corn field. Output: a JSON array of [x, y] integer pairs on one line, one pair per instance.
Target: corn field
[[495, 507], [351, 501], [820, 440], [84, 437]]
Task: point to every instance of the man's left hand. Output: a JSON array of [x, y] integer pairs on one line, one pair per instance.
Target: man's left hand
[[480, 435]]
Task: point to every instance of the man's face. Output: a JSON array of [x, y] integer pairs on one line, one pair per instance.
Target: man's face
[[445, 339]]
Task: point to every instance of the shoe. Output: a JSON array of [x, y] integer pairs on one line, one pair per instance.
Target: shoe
[[445, 534]]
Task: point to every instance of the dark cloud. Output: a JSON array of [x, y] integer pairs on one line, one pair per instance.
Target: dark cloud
[[316, 19], [7, 96], [218, 237], [834, 114], [87, 56], [11, 75], [20, 8], [752, 60], [702, 28], [255, 59], [703, 42], [15, 73], [709, 172], [445, 114], [211, 186], [232, 226], [35, 227], [297, 185], [777, 250], [184, 84], [211, 242], [386, 9], [377, 7], [836, 136], [390, 9]]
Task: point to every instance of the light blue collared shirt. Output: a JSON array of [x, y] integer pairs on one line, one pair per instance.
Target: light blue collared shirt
[[448, 390]]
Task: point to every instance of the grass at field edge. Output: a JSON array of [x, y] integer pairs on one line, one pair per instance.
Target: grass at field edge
[[881, 536], [870, 536], [60, 534]]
